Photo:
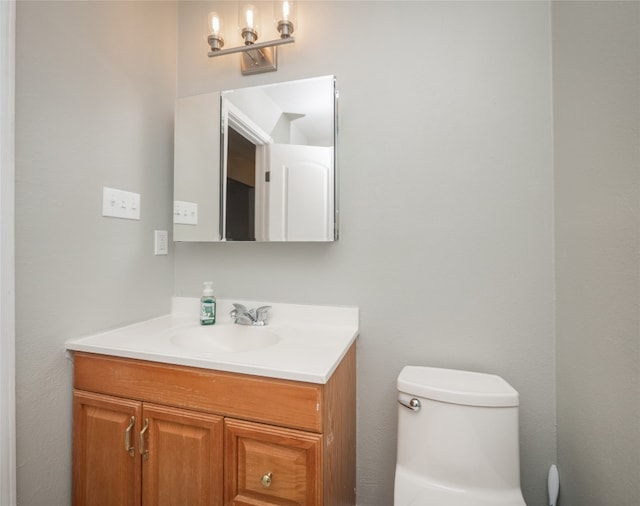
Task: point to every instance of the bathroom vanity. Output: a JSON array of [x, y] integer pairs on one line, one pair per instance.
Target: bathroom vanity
[[269, 425]]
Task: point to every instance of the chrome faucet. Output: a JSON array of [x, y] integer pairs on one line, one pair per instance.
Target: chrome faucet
[[243, 316]]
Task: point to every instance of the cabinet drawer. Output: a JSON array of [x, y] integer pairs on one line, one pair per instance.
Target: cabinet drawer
[[280, 402], [266, 465]]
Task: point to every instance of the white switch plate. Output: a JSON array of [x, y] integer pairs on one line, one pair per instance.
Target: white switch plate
[[120, 204], [161, 242], [185, 213]]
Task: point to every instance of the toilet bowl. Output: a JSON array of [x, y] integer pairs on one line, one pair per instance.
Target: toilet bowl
[[457, 439]]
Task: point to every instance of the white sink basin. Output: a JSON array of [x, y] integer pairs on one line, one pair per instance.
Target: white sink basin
[[223, 338], [300, 343]]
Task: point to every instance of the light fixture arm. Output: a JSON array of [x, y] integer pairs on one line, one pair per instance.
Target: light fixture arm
[[252, 47]]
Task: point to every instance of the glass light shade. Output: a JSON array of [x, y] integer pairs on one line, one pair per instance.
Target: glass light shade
[[248, 17], [285, 18], [286, 11], [248, 21], [213, 24], [214, 37]]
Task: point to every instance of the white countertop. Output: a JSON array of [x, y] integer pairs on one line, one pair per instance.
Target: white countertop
[[311, 340]]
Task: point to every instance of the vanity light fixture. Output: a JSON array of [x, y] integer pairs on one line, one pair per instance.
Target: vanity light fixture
[[257, 57]]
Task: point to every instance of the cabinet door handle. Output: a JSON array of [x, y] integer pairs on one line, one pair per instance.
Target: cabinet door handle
[[266, 480], [143, 452], [127, 437]]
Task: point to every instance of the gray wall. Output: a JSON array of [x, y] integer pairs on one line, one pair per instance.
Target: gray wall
[[446, 201], [94, 107], [447, 198], [597, 172]]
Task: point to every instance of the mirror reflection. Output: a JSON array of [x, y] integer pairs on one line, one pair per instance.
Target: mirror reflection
[[278, 162], [257, 164]]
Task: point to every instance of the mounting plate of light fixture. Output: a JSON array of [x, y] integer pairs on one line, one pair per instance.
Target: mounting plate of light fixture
[[257, 57]]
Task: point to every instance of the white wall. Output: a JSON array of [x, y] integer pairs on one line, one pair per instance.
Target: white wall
[[94, 107], [446, 204], [596, 67]]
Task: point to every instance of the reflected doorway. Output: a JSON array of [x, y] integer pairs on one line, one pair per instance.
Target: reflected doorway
[[241, 188]]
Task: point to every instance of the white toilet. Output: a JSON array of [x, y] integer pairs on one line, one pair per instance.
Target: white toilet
[[457, 439]]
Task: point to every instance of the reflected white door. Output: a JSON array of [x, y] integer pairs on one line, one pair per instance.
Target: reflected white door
[[300, 199]]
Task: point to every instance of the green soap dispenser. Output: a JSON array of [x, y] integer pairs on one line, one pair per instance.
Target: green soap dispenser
[[207, 305]]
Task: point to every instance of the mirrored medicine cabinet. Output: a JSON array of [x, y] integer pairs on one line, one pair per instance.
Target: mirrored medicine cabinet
[[257, 164]]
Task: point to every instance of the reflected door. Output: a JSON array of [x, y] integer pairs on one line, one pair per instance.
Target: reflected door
[[299, 195]]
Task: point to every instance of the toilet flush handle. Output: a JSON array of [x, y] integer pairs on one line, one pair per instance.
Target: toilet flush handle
[[413, 404]]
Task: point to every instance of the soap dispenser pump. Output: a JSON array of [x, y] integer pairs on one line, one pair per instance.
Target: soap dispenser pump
[[207, 305]]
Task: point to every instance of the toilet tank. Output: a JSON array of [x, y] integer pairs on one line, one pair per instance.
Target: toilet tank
[[465, 433]]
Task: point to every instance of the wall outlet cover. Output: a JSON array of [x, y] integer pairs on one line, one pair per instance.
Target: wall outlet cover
[[161, 242]]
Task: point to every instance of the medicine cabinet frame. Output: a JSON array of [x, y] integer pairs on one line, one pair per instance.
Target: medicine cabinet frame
[[203, 123]]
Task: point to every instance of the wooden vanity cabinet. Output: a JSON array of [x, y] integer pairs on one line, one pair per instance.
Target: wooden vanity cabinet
[[213, 438]]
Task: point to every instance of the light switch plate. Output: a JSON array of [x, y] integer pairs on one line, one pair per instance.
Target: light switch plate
[[185, 213], [161, 242], [120, 204]]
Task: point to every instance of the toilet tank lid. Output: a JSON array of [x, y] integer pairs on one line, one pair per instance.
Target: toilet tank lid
[[457, 387]]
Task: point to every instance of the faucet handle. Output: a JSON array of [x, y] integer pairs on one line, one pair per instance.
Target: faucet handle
[[239, 309], [262, 314]]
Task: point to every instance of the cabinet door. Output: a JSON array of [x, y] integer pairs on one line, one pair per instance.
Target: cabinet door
[[196, 168], [181, 457], [106, 468], [267, 465]]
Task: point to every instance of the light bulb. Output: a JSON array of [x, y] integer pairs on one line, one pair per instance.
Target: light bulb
[[249, 18], [286, 10], [215, 36], [214, 23]]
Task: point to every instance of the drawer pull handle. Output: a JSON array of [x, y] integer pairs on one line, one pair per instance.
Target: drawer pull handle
[[127, 437], [266, 480], [145, 428]]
